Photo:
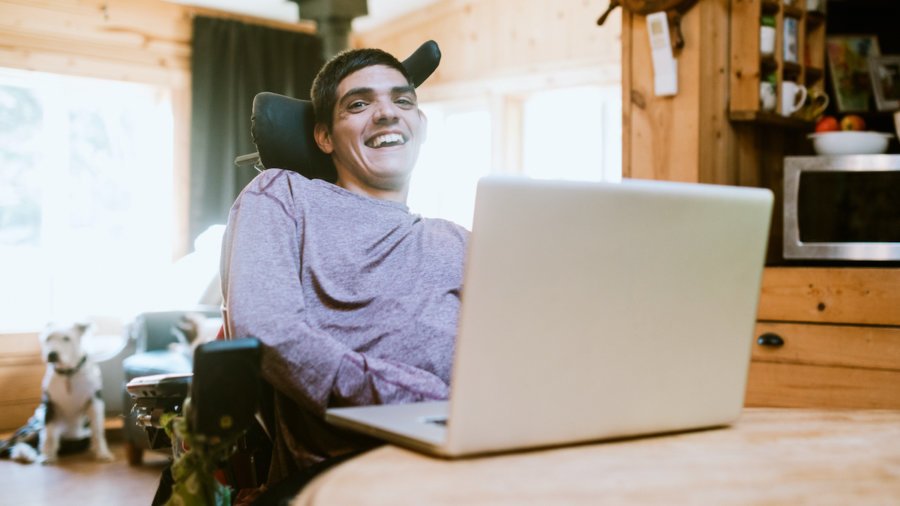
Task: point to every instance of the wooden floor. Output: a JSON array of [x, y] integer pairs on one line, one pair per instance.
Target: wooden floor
[[77, 479]]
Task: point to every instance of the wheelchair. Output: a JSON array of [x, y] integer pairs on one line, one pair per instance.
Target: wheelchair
[[214, 416]]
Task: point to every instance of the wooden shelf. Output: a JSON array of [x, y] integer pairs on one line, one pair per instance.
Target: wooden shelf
[[792, 11], [770, 6], [769, 118], [791, 69], [749, 69]]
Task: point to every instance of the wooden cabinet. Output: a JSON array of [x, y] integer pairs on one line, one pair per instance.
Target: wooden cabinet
[[840, 335], [797, 55], [21, 373]]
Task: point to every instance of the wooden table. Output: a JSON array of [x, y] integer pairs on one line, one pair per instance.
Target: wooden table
[[771, 456]]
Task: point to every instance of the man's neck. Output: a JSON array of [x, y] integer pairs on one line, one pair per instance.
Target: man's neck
[[392, 195]]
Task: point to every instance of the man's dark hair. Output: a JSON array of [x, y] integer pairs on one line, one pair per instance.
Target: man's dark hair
[[325, 85]]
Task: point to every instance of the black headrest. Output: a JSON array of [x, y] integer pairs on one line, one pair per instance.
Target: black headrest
[[282, 127]]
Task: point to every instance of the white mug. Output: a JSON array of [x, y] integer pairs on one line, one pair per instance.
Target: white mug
[[767, 98], [793, 96]]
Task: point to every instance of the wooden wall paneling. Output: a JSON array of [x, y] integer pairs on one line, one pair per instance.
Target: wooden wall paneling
[[141, 40], [484, 39], [664, 130], [628, 104], [686, 137], [717, 149]]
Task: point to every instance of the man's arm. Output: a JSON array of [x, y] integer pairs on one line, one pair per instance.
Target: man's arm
[[264, 298]]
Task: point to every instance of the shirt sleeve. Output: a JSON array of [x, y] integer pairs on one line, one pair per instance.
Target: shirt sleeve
[[264, 299]]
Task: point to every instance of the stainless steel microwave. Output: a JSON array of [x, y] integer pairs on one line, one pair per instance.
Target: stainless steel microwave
[[842, 208]]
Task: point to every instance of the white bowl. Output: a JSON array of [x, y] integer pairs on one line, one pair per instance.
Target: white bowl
[[850, 142]]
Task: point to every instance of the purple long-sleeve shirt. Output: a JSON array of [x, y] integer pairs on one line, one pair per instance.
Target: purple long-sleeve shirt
[[354, 299]]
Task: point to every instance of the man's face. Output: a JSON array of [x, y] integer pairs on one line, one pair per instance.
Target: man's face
[[377, 130]]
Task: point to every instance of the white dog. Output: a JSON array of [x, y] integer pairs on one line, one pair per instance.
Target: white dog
[[73, 408]]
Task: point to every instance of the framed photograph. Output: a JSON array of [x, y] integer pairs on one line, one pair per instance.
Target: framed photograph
[[848, 63], [885, 74]]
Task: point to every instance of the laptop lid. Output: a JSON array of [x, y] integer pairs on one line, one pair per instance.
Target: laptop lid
[[595, 310]]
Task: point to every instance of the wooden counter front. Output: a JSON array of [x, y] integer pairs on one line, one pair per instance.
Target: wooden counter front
[[771, 456], [840, 329]]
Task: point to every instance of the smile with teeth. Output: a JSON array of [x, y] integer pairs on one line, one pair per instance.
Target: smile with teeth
[[386, 140]]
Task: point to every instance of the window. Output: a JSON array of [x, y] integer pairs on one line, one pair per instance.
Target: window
[[564, 133], [455, 155], [86, 200], [573, 133]]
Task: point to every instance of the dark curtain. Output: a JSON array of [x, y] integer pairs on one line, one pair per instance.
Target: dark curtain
[[230, 63]]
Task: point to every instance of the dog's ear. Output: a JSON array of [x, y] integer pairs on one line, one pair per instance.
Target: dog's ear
[[48, 330], [82, 327]]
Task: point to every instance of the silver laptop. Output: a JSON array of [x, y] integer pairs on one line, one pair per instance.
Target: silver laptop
[[593, 311]]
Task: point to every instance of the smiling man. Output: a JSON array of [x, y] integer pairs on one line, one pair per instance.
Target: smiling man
[[374, 133], [354, 298]]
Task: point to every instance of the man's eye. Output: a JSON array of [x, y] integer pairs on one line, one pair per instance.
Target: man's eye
[[405, 101], [359, 104]]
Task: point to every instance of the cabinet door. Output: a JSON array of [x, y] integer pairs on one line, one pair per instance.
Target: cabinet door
[[866, 296], [825, 366]]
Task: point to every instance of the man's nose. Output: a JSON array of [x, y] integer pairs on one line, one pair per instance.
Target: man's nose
[[386, 113]]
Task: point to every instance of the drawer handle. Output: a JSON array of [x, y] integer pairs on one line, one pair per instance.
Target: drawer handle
[[770, 339]]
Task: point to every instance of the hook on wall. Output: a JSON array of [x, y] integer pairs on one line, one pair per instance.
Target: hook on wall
[[674, 10]]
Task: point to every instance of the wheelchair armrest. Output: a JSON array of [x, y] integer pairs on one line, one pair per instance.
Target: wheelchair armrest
[[224, 389], [155, 396]]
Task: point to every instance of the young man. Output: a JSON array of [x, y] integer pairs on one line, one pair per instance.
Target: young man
[[354, 298]]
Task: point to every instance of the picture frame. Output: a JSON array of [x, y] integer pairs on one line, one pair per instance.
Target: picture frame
[[884, 72], [848, 64]]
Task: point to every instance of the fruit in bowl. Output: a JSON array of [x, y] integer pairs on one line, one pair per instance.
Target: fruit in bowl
[[853, 122], [850, 142], [827, 124]]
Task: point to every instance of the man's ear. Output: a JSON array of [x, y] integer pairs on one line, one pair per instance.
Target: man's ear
[[323, 138]]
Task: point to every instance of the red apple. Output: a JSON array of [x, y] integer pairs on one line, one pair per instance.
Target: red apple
[[827, 124], [852, 122]]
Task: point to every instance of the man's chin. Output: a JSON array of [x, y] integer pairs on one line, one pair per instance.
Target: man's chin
[[391, 170], [392, 180]]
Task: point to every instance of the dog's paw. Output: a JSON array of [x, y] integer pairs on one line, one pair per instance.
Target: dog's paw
[[104, 456], [47, 460], [24, 453]]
